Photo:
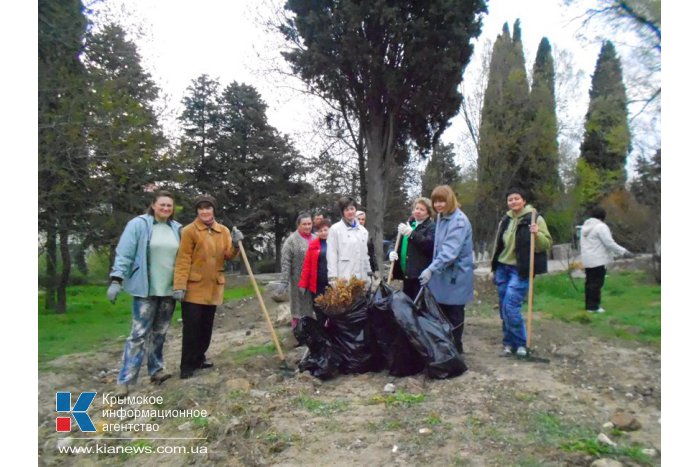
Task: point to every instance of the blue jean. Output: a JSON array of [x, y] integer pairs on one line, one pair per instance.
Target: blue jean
[[512, 290], [149, 324]]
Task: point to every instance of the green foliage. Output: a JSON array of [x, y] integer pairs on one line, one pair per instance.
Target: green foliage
[[628, 220], [517, 136], [607, 138], [441, 169], [231, 152], [394, 65], [633, 305]]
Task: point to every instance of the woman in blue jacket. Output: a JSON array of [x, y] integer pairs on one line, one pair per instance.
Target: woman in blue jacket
[[450, 275], [143, 267]]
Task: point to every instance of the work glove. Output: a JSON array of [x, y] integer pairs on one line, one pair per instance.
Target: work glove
[[113, 290], [393, 256], [236, 236], [425, 276], [178, 295], [628, 254], [405, 229], [282, 288], [332, 282], [303, 291]]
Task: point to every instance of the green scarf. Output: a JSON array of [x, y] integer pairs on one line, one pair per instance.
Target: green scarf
[[404, 248]]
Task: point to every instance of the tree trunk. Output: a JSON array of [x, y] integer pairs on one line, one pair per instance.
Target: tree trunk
[[361, 164], [50, 298], [279, 234], [380, 146], [65, 270]]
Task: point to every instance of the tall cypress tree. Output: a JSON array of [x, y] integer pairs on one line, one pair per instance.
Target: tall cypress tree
[[504, 131], [607, 139], [543, 146]]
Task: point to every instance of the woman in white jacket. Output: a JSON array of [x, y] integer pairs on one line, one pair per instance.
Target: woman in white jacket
[[347, 245], [597, 249]]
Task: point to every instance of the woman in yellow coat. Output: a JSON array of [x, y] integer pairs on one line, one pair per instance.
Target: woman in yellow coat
[[199, 281]]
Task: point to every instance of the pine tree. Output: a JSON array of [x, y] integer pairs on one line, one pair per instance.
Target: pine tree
[[63, 161], [441, 169], [124, 134], [607, 139]]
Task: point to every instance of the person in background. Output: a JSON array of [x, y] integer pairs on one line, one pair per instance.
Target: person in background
[[597, 250], [510, 264], [347, 245], [362, 218], [293, 254], [416, 247], [143, 267], [450, 274], [317, 221], [314, 274], [199, 281]]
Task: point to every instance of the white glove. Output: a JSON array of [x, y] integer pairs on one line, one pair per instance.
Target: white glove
[[404, 229], [393, 256], [114, 288], [425, 276]]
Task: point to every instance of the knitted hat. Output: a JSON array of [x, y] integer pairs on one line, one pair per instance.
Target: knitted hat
[[202, 199]]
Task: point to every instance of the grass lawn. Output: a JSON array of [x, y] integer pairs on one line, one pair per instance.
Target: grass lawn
[[632, 303], [91, 321]]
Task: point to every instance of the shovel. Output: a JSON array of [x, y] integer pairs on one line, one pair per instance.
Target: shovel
[[262, 306]]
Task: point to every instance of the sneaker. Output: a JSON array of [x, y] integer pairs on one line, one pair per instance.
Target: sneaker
[[159, 376], [600, 310], [122, 390], [186, 374], [507, 350], [521, 352], [206, 364]]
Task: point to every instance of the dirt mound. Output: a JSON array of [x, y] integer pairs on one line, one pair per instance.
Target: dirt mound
[[502, 411]]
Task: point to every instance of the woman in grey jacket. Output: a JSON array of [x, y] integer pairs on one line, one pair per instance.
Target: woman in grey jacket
[[293, 255], [597, 250], [143, 267]]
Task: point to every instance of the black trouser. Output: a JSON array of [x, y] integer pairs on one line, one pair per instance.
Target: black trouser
[[595, 278], [197, 325], [455, 314], [411, 287]]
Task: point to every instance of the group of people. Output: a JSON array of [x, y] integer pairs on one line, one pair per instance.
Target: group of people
[[159, 262]]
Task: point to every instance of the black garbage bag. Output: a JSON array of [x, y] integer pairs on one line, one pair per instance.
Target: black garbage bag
[[321, 360], [397, 354], [353, 340], [429, 332]]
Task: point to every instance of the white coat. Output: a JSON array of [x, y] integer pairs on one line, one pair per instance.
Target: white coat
[[346, 253], [597, 244]]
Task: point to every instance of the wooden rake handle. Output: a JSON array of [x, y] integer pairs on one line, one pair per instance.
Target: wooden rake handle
[[260, 300], [531, 282]]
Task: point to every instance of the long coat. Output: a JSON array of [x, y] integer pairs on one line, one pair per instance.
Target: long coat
[[347, 253], [293, 254], [199, 267], [452, 282]]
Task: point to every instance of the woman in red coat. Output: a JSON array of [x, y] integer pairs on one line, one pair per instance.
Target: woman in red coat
[[314, 274]]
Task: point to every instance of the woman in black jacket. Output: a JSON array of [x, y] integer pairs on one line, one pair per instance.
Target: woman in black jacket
[[416, 247]]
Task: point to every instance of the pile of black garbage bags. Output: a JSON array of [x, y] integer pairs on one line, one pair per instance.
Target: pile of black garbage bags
[[382, 330]]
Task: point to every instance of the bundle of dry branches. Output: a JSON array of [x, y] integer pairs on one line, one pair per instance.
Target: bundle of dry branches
[[337, 300]]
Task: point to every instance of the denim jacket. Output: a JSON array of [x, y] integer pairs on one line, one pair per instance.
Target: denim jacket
[[452, 282], [131, 260]]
